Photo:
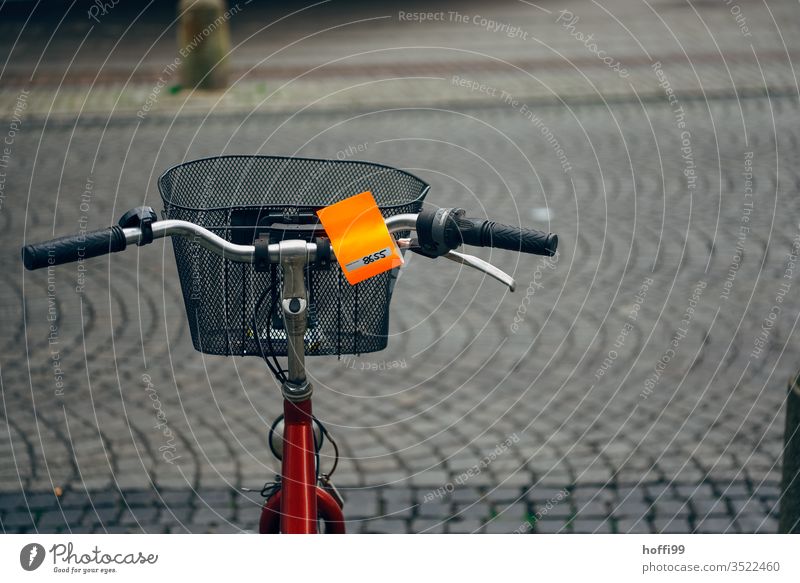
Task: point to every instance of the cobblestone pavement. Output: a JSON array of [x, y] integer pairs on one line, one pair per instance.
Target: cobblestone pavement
[[635, 384]]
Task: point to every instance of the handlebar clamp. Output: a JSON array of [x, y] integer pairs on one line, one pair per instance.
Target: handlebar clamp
[[261, 254], [324, 257], [141, 217], [437, 231]]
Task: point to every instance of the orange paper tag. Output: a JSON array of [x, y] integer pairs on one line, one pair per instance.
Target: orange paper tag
[[359, 237]]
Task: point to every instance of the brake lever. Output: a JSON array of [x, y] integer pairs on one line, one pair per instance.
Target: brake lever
[[481, 265], [469, 261]]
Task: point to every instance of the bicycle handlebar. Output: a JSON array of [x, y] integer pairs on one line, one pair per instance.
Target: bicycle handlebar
[[439, 232]]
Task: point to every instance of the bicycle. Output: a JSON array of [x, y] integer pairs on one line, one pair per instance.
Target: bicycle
[[242, 243]]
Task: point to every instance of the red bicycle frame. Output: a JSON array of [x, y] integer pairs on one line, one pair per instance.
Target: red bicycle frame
[[296, 507]]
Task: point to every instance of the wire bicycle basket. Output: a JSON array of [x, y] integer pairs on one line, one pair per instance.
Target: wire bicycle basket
[[229, 305]]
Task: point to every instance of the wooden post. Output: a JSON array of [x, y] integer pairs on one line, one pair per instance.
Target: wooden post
[[789, 521], [204, 42]]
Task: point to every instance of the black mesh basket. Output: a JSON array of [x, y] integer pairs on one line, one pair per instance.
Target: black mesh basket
[[234, 196]]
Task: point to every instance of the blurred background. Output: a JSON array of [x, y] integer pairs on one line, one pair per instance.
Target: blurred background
[[637, 383]]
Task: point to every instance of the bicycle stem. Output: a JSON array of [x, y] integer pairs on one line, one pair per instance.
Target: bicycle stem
[[293, 256]]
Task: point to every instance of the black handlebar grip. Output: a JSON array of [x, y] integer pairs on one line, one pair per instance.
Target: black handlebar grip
[[444, 229], [73, 248], [490, 234]]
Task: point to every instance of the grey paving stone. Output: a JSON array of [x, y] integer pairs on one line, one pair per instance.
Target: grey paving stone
[[767, 490], [633, 526], [384, 526], [466, 495], [433, 510], [105, 498], [670, 525], [362, 503], [175, 514], [397, 496], [631, 509], [397, 509], [503, 525], [477, 511], [211, 515], [226, 529], [77, 499], [138, 516], [562, 510], [670, 508], [769, 525], [593, 509], [505, 495], [704, 506], [12, 501], [53, 519], [428, 526], [551, 527], [215, 497], [101, 515], [465, 526], [16, 520], [715, 526], [176, 497], [42, 501], [599, 526], [135, 499]]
